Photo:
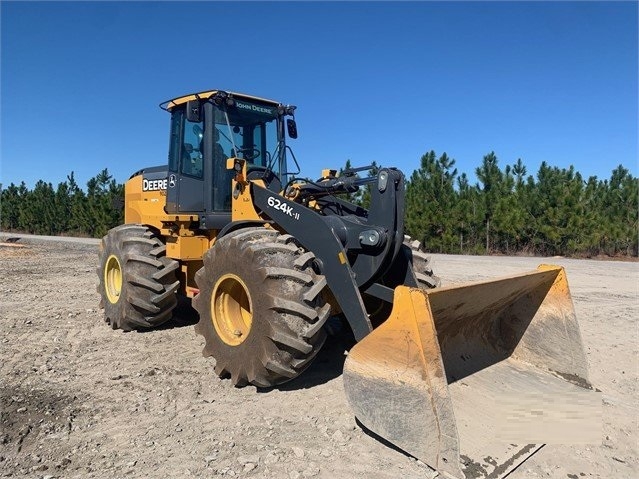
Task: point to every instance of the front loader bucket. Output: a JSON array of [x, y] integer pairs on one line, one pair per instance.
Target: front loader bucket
[[474, 379]]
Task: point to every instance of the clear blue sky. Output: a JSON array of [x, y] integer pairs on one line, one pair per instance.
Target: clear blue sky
[[81, 82]]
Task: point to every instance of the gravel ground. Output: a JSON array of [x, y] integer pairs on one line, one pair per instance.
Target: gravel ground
[[78, 399]]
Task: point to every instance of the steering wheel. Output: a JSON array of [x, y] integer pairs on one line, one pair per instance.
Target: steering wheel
[[249, 153]]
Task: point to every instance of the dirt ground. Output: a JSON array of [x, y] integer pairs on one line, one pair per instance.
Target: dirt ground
[[78, 399]]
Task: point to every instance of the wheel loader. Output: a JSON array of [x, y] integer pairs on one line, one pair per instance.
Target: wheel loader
[[471, 379]]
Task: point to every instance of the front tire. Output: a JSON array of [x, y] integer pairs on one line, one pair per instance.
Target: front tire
[[378, 310], [426, 279], [260, 305], [136, 281]]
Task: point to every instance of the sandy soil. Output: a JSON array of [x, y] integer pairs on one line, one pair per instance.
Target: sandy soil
[[78, 399]]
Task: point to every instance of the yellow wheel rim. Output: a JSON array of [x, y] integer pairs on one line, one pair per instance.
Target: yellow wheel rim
[[113, 279], [231, 310]]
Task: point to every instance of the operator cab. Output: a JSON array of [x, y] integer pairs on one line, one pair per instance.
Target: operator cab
[[206, 129]]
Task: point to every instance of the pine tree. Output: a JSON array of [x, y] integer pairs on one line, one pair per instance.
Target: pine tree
[[62, 207], [101, 191], [10, 199], [37, 213], [489, 175], [620, 206], [430, 197], [468, 214]]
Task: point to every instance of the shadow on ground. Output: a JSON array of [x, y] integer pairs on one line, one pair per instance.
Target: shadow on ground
[[329, 362], [183, 315]]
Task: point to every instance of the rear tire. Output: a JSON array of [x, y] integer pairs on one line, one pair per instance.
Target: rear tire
[[261, 307], [136, 281]]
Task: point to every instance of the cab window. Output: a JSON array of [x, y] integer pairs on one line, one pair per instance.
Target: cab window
[[191, 154], [185, 152]]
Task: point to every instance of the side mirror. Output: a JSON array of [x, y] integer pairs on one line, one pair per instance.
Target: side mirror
[[291, 127], [193, 111]]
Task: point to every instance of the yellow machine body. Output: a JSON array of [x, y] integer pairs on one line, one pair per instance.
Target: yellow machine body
[[147, 206]]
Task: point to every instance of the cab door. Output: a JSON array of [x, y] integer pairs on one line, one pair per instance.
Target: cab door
[[185, 184]]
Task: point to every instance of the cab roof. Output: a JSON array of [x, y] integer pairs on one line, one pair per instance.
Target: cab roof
[[205, 95]]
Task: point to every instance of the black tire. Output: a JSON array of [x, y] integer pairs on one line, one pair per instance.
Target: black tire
[[262, 278], [136, 281], [426, 279]]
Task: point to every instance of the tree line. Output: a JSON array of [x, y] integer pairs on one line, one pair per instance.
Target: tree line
[[556, 212], [507, 211], [65, 210]]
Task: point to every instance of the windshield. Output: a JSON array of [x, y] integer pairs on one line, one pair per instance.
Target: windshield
[[250, 131]]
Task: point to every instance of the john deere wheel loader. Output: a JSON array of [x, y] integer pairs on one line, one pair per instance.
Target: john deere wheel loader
[[471, 379]]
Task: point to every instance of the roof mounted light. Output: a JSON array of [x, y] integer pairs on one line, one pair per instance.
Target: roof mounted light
[[283, 110], [220, 97]]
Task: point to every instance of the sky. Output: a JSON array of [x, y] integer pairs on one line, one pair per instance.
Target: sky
[[373, 81]]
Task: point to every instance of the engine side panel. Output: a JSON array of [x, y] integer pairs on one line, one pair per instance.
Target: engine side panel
[[145, 198]]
